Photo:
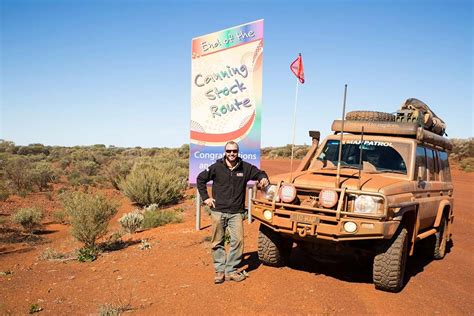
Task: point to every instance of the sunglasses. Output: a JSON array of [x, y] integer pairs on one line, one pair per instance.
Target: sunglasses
[[231, 151]]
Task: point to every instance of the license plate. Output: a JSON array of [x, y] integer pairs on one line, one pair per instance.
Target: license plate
[[304, 218]]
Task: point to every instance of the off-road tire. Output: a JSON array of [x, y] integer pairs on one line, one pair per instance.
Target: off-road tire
[[390, 262], [370, 116], [273, 250], [441, 238]]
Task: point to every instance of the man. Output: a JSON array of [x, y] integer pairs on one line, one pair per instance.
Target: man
[[230, 176]]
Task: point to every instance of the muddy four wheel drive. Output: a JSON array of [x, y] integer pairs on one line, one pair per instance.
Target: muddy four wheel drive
[[392, 189]]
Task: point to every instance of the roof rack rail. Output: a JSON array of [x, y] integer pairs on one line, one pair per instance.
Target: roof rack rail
[[405, 129]]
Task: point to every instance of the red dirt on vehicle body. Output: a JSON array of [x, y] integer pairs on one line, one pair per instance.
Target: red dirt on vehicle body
[[175, 276]]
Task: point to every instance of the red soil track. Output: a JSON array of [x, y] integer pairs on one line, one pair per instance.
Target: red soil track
[[175, 276]]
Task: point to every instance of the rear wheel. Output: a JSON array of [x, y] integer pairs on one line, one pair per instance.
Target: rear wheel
[[390, 262], [273, 250], [441, 238], [370, 116]]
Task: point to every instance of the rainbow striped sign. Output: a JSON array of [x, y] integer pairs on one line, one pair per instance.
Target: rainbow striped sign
[[226, 95]]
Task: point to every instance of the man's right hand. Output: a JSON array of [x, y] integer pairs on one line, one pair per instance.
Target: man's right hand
[[210, 202]]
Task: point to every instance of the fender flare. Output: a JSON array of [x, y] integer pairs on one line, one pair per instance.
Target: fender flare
[[440, 213], [409, 216]]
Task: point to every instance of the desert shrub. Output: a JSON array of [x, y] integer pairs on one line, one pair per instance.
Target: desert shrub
[[467, 164], [117, 171], [183, 151], [42, 174], [87, 254], [87, 167], [75, 178], [2, 220], [299, 152], [89, 216], [64, 163], [154, 217], [60, 217], [4, 192], [462, 148], [34, 308], [29, 218], [52, 254], [7, 146], [33, 149], [18, 172], [132, 221], [153, 181]]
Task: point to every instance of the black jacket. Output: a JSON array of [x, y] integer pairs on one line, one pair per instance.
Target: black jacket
[[228, 187]]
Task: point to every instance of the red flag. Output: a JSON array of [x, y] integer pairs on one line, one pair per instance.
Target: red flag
[[297, 68]]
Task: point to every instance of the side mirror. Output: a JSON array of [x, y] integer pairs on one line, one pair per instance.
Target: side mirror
[[421, 173]]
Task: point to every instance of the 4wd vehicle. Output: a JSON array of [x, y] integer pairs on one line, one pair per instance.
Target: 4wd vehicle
[[392, 189]]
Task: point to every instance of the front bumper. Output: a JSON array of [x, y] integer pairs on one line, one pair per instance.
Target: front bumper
[[300, 224]]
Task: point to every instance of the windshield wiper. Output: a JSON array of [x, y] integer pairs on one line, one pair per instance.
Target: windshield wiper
[[388, 171]]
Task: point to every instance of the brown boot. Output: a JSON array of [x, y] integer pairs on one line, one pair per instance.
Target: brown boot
[[235, 276], [219, 278]]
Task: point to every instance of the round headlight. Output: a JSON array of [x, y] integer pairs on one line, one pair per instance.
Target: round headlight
[[327, 198], [269, 191], [287, 193], [365, 204]]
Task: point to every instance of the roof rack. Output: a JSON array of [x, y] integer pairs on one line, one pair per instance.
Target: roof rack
[[406, 129]]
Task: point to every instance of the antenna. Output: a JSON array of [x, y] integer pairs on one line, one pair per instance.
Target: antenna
[[340, 140], [360, 155]]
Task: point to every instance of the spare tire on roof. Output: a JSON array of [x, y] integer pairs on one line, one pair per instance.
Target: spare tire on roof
[[370, 116]]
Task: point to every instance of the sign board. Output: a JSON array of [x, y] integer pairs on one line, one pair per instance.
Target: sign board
[[226, 95]]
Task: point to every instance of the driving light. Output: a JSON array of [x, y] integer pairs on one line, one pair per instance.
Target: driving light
[[366, 204], [267, 214], [287, 193], [350, 227], [327, 198]]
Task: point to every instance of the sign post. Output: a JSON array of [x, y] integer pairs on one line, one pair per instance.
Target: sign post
[[226, 95]]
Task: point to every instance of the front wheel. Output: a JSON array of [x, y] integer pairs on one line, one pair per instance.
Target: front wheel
[[390, 262], [273, 249]]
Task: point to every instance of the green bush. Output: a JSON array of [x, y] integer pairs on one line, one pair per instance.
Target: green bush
[[60, 217], [87, 167], [18, 172], [467, 164], [132, 221], [87, 254], [154, 181], [117, 171], [89, 216], [153, 217], [4, 192], [462, 148], [42, 174], [29, 218]]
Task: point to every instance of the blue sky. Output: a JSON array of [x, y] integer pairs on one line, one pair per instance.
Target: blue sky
[[118, 72]]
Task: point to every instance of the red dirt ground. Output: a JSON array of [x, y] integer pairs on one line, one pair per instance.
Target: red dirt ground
[[175, 276]]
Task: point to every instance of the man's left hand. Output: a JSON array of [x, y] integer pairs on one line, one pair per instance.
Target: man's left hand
[[263, 182]]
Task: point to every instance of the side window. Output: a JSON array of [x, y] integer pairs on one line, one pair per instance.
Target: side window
[[431, 164], [420, 162], [444, 165]]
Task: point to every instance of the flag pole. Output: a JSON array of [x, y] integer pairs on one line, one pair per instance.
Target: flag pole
[[294, 130]]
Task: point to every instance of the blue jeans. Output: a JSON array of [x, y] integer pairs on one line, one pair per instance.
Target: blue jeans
[[234, 223]]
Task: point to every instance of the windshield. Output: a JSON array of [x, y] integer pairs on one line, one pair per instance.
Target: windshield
[[377, 156]]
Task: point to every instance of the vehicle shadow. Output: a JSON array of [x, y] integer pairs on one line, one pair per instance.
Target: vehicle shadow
[[342, 267], [422, 256], [358, 269]]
